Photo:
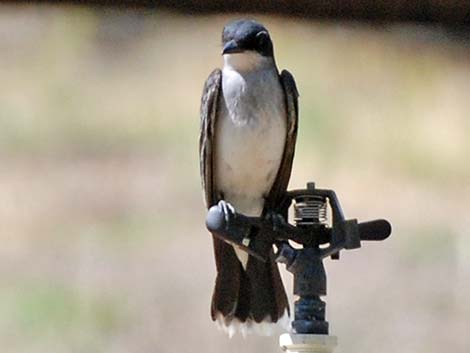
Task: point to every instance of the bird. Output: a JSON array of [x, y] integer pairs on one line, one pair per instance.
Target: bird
[[248, 132]]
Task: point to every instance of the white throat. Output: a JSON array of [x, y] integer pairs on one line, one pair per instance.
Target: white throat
[[247, 61]]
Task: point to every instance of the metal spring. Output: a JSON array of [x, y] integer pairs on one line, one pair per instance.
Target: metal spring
[[310, 209]]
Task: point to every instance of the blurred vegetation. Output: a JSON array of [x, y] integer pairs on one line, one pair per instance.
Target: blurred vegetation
[[102, 220]]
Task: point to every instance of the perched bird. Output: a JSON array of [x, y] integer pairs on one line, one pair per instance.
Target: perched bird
[[249, 115]]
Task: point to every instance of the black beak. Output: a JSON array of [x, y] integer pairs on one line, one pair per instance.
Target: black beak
[[231, 47]]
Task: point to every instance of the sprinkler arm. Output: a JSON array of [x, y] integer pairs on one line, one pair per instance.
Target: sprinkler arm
[[235, 228]]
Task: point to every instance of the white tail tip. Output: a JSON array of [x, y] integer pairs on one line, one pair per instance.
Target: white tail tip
[[263, 328]]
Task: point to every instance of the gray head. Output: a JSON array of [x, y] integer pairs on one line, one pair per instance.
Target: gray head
[[246, 35]]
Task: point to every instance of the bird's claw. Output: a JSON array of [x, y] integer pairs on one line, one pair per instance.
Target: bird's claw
[[228, 210], [276, 219]]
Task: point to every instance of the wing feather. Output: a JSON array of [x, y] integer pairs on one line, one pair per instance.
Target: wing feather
[[206, 138], [229, 271], [278, 190]]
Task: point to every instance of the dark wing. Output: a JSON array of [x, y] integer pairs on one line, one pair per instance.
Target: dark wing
[[279, 187], [206, 138], [228, 288]]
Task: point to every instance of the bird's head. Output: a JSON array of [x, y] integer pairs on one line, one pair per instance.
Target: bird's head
[[246, 43]]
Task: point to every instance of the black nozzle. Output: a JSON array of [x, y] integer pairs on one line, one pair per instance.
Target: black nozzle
[[378, 229], [215, 219]]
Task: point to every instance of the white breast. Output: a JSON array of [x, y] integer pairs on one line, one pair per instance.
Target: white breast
[[250, 136]]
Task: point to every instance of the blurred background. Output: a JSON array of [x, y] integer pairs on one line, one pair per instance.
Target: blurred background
[[103, 243]]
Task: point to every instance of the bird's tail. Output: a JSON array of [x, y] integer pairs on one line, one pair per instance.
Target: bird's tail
[[247, 299]]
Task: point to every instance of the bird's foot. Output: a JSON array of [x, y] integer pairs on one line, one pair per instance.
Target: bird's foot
[[227, 209], [276, 219]]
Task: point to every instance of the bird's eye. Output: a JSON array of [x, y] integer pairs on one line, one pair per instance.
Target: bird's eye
[[262, 38]]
